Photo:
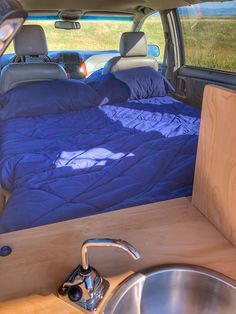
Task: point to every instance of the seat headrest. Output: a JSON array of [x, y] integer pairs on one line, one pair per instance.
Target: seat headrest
[[31, 41], [16, 74], [133, 44]]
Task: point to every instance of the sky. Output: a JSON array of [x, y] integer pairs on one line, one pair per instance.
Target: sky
[[227, 8]]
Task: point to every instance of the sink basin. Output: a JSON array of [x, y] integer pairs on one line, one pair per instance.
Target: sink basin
[[174, 289]]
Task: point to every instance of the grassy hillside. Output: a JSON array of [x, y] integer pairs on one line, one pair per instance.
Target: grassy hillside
[[209, 42]]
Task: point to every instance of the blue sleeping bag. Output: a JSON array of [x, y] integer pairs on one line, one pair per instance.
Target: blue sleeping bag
[[95, 158]]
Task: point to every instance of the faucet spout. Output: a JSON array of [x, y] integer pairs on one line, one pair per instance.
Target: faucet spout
[[85, 286], [106, 242]]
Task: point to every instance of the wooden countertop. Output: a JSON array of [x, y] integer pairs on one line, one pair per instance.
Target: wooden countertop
[[51, 304], [38, 305], [166, 232]]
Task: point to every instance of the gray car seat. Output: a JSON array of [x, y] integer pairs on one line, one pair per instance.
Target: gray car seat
[[133, 54], [31, 43]]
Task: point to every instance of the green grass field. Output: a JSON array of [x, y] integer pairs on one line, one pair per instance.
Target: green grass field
[[209, 42]]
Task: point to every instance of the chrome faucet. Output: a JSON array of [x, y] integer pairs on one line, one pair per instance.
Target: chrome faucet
[[85, 287]]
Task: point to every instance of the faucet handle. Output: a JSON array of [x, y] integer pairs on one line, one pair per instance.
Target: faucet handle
[[106, 242]]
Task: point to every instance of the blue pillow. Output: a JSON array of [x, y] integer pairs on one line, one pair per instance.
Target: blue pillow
[[110, 89], [47, 97], [136, 83], [144, 83]]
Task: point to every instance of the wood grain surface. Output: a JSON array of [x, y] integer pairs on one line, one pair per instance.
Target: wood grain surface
[[166, 232], [214, 192]]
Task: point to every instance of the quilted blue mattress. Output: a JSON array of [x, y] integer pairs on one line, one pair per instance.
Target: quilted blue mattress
[[80, 163]]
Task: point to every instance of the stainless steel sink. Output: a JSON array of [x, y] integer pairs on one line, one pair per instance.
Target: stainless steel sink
[[177, 289]]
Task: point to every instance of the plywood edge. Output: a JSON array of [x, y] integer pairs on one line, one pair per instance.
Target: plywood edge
[[74, 223]]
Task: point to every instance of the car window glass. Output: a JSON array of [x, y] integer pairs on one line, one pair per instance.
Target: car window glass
[[153, 29], [93, 35], [209, 34]]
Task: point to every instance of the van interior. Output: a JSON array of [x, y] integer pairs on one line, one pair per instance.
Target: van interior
[[117, 157]]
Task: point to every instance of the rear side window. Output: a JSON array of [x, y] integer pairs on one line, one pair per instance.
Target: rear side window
[[209, 34]]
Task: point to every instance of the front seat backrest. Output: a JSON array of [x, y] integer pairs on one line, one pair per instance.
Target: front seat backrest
[[31, 45], [133, 54], [16, 74], [30, 42]]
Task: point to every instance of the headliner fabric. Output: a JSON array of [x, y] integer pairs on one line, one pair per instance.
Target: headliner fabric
[[80, 163]]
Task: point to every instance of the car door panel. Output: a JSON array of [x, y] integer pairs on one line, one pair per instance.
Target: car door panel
[[190, 83]]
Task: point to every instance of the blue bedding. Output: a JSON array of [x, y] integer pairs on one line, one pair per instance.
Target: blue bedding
[[80, 163]]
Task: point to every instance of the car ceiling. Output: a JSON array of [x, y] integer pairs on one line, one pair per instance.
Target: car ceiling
[[132, 7]]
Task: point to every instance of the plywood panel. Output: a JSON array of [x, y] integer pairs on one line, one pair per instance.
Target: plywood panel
[[214, 191], [51, 304], [38, 305], [166, 232]]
